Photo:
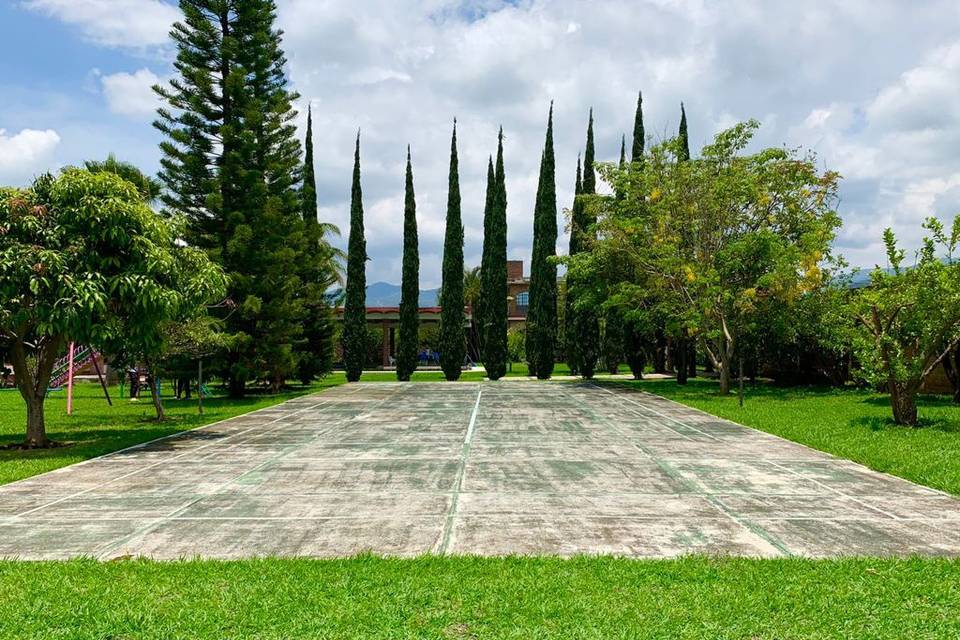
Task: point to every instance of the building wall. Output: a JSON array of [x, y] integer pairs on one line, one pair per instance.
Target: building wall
[[518, 288]]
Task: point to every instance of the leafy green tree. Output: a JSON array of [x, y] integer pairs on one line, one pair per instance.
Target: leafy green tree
[[765, 223], [472, 290], [149, 187], [453, 348], [408, 340], [355, 302], [516, 343], [495, 277], [82, 258], [541, 330], [908, 319]]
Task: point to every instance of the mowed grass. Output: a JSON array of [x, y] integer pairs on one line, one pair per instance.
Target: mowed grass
[[96, 428], [850, 423], [468, 597]]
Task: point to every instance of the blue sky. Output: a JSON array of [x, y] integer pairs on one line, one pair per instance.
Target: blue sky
[[873, 87]]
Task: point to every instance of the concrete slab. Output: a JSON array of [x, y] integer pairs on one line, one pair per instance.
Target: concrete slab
[[511, 467]]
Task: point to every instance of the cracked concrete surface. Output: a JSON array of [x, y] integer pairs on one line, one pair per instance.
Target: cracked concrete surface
[[509, 467]]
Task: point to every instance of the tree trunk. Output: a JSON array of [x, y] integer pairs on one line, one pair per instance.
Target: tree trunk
[[692, 358], [36, 425], [724, 378], [903, 403], [680, 352], [660, 352], [33, 387], [154, 382], [951, 365], [236, 387]]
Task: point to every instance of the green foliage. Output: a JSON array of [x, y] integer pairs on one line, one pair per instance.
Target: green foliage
[[581, 321], [542, 312], [231, 165], [516, 345], [148, 186], [495, 277], [453, 347], [481, 313], [612, 342], [320, 270], [84, 259], [763, 226], [408, 336], [308, 191], [908, 319], [639, 139], [355, 304]]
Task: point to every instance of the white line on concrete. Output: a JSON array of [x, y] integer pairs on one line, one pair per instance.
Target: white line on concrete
[[163, 462], [458, 485], [651, 409]]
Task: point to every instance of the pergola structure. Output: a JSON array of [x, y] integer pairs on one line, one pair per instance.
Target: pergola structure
[[389, 318]]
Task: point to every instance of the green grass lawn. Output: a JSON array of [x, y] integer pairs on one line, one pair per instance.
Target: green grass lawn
[[451, 597], [96, 428], [849, 423]]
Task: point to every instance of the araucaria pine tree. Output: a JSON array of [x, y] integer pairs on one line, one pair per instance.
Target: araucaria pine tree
[[582, 309], [542, 312], [231, 165], [494, 275], [453, 344], [355, 304], [408, 338], [315, 351]]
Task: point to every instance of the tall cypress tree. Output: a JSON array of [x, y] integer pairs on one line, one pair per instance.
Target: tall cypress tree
[[355, 304], [613, 338], [634, 344], [586, 323], [639, 138], [408, 341], [231, 165], [315, 352], [681, 343], [495, 340], [453, 345], [481, 314], [308, 192], [569, 314], [542, 313]]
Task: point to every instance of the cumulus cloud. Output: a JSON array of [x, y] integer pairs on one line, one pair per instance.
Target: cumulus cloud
[[131, 94], [26, 153], [135, 24], [871, 86]]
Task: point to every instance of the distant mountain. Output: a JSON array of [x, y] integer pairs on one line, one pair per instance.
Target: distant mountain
[[384, 294]]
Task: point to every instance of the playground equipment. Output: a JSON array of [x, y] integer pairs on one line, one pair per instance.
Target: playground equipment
[[64, 369]]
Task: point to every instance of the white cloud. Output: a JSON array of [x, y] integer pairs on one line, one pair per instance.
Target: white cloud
[[871, 85], [131, 94], [137, 24], [24, 154]]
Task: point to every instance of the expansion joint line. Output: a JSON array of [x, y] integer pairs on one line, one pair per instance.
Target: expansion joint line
[[672, 472], [461, 471]]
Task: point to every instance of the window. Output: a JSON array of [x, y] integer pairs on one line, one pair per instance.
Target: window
[[523, 299]]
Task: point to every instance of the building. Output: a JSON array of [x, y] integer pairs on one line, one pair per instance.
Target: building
[[518, 293]]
